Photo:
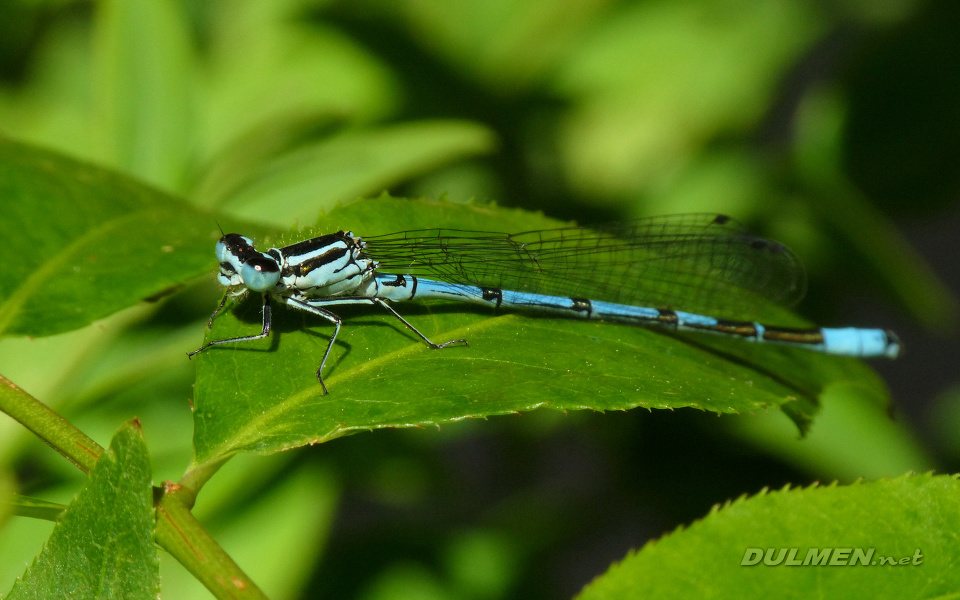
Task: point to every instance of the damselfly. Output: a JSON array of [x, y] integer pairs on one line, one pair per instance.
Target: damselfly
[[640, 273]]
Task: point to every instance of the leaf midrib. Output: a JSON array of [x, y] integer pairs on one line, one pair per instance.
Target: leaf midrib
[[253, 430]]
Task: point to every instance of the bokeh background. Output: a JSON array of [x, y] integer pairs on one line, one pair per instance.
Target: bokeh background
[[830, 125]]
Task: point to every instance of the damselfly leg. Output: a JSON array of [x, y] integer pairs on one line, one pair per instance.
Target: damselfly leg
[[267, 322], [316, 307]]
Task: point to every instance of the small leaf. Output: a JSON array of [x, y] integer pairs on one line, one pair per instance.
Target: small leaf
[[854, 438], [263, 397], [293, 64], [490, 40], [233, 166], [654, 81], [103, 545], [911, 519], [352, 164]]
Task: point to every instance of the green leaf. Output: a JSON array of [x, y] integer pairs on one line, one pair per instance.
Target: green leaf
[[103, 545], [854, 437], [912, 518], [263, 397], [233, 166], [352, 164], [490, 39], [292, 64], [145, 77], [655, 81], [88, 242]]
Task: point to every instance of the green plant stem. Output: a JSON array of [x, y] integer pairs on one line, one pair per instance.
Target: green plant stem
[[179, 533], [50, 427], [35, 508], [196, 477]]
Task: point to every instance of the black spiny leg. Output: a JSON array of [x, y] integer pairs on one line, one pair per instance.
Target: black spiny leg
[[267, 321], [315, 307], [326, 314], [390, 310], [223, 303]]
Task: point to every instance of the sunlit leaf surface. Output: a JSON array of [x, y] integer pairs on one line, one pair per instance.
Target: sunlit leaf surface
[[887, 538]]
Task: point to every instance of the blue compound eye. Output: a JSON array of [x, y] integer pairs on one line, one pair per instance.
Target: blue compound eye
[[260, 273], [222, 251]]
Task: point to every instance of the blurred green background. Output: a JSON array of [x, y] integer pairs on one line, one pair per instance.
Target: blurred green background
[[832, 126]]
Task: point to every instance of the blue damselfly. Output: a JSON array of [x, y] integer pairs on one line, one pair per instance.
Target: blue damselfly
[[641, 273]]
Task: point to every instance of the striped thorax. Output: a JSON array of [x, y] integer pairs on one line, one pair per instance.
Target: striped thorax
[[325, 266]]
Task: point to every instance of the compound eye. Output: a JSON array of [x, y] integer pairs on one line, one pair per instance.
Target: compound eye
[[222, 251], [260, 274]]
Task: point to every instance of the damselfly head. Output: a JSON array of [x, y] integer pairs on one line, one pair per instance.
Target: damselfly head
[[241, 266]]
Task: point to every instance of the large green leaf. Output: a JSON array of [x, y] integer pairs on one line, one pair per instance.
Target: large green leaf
[[262, 396], [85, 242], [103, 547], [912, 519]]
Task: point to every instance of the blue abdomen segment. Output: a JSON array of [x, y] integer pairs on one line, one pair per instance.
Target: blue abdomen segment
[[848, 341], [851, 341]]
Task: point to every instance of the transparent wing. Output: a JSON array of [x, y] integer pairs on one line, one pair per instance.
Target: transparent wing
[[694, 262]]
